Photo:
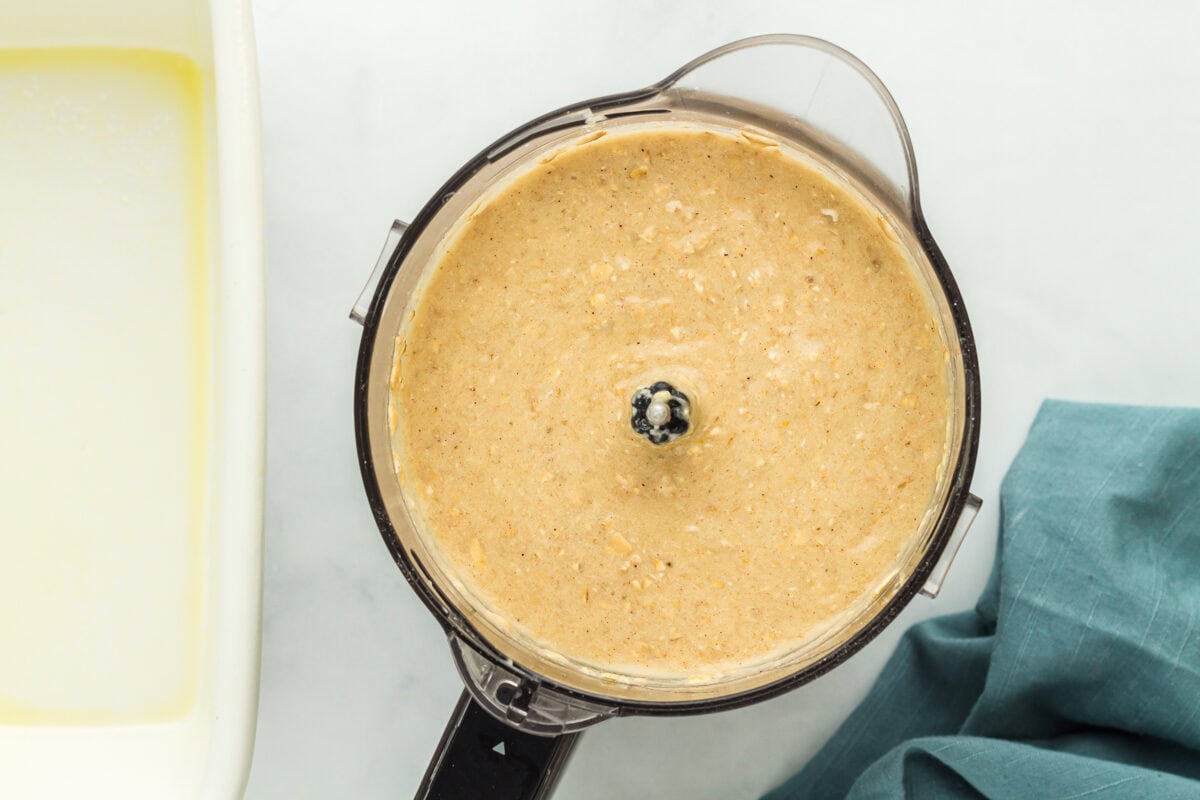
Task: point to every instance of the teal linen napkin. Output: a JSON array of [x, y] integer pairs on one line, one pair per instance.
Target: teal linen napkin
[[1078, 672]]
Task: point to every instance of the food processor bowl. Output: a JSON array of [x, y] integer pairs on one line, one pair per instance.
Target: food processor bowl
[[523, 704]]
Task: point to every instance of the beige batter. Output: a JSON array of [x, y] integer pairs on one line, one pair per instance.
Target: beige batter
[[774, 297]]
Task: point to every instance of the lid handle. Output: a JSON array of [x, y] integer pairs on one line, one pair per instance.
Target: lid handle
[[362, 304], [937, 576]]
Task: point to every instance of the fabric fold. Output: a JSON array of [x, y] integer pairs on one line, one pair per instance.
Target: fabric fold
[[1078, 672]]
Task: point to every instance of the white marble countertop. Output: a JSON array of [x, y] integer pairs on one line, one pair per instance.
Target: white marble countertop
[[1057, 147]]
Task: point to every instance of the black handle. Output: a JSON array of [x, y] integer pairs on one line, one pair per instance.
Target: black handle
[[481, 758]]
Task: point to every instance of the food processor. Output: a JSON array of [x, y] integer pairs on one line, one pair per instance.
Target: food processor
[[523, 707]]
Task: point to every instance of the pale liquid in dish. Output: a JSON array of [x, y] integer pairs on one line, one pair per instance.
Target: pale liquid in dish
[[784, 304], [103, 384]]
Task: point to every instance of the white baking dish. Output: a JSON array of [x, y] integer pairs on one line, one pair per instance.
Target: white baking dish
[[199, 744]]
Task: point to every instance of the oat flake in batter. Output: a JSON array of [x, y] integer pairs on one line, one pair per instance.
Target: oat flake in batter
[[783, 304]]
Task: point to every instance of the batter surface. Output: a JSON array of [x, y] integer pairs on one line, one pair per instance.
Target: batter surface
[[784, 305]]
